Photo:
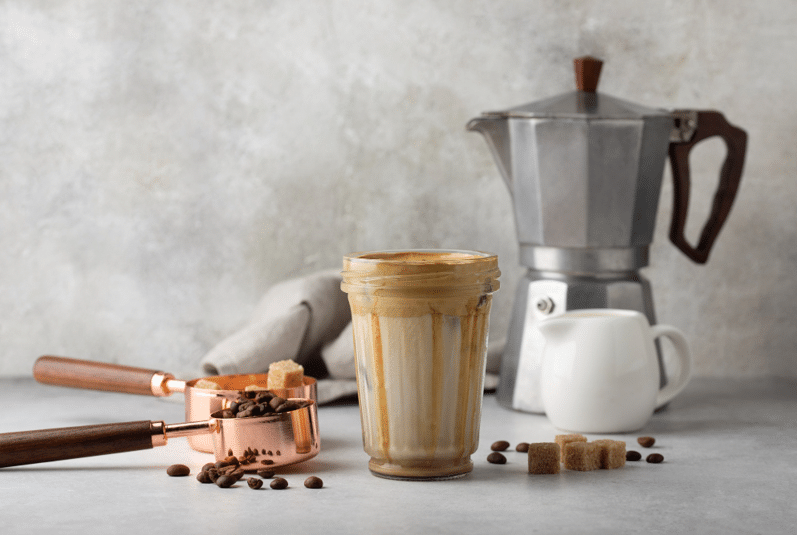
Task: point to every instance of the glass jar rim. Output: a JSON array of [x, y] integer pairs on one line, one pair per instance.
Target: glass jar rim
[[435, 271]]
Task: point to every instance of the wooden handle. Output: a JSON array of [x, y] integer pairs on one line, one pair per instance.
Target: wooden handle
[[588, 72], [90, 375], [29, 447], [709, 124]]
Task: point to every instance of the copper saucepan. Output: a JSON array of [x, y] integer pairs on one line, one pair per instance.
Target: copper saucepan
[[200, 403], [269, 441]]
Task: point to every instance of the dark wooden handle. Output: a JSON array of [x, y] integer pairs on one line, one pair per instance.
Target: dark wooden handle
[[709, 124], [90, 375], [29, 447], [588, 72]]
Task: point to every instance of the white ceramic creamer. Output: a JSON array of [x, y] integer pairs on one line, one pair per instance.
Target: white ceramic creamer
[[600, 371]]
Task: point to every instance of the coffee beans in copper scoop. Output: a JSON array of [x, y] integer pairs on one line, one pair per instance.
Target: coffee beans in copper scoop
[[261, 403]]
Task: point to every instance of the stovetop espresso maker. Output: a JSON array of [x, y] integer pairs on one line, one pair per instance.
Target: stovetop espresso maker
[[584, 170]]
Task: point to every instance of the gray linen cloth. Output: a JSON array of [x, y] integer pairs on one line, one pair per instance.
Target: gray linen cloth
[[308, 320]]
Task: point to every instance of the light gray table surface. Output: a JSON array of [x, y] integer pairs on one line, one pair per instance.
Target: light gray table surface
[[730, 450]]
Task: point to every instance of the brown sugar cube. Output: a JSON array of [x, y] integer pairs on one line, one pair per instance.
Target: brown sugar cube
[[544, 458], [582, 456], [285, 374], [611, 453], [563, 440]]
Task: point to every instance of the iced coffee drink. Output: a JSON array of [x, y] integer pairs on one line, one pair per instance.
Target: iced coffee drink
[[420, 322]]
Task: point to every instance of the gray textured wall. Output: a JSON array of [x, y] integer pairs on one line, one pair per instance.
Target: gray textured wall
[[163, 163]]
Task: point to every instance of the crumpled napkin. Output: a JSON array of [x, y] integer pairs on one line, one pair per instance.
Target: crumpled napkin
[[308, 320]]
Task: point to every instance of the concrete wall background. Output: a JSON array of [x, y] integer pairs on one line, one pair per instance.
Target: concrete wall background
[[163, 163]]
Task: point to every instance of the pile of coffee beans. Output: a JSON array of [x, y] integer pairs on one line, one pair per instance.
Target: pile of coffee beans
[[224, 474], [261, 403]]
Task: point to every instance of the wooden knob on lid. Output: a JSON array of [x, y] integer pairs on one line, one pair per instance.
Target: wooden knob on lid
[[588, 71]]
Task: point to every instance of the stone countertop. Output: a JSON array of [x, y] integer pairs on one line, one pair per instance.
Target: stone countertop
[[730, 450]]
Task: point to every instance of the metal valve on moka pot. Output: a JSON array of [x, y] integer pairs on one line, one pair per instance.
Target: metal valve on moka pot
[[584, 170]]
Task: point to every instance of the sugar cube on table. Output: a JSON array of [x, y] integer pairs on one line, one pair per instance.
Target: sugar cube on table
[[582, 456], [563, 440], [611, 453], [544, 458]]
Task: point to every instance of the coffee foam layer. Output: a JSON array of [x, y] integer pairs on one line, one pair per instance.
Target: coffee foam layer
[[422, 257]]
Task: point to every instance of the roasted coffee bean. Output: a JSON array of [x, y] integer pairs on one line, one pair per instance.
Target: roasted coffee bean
[[213, 474], [266, 461], [244, 414], [266, 474], [279, 483], [208, 466], [655, 458], [275, 402], [264, 397], [523, 447], [203, 477], [496, 458], [646, 442], [632, 455], [178, 470], [226, 413], [225, 481], [254, 483], [313, 482], [501, 445], [231, 460]]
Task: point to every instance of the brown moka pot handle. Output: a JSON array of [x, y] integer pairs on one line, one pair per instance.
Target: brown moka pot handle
[[709, 124]]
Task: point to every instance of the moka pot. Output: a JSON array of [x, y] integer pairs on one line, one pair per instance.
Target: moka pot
[[584, 170]]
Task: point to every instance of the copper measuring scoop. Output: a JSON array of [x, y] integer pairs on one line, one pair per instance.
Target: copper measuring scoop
[[200, 403], [268, 441]]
